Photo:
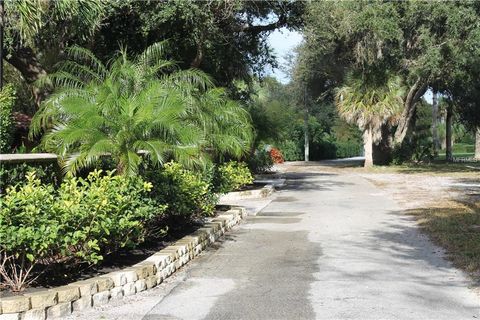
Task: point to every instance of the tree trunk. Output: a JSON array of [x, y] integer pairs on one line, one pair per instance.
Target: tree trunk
[[435, 138], [368, 146], [409, 105], [382, 151], [199, 55], [307, 138], [477, 144], [25, 60], [448, 138]]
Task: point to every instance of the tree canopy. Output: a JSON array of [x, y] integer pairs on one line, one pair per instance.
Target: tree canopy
[[426, 44]]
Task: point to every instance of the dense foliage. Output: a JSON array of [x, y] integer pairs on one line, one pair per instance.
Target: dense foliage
[[37, 32], [225, 38], [279, 120], [83, 220], [7, 99], [425, 45], [12, 174], [188, 194]]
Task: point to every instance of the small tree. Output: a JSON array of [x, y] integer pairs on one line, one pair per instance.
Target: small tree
[[226, 125], [129, 106], [370, 105]]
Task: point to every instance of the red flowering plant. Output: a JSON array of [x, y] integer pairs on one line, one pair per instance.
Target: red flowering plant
[[276, 155]]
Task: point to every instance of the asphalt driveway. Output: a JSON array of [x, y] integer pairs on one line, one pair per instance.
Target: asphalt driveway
[[329, 246]]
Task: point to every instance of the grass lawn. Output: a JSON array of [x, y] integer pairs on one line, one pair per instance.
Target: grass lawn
[[460, 150], [442, 156], [434, 168]]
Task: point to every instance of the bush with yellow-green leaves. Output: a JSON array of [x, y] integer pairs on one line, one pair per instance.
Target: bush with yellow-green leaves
[[232, 176], [81, 222]]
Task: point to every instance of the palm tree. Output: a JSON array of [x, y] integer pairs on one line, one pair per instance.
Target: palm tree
[[127, 107], [370, 103], [227, 126]]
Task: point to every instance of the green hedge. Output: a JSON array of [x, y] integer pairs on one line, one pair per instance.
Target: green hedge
[[291, 151], [83, 219], [348, 149], [320, 150]]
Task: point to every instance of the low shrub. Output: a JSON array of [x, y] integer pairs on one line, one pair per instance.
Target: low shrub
[[81, 222], [232, 176], [418, 147], [188, 194], [260, 161]]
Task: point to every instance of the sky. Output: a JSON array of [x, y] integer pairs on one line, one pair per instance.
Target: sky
[[283, 42]]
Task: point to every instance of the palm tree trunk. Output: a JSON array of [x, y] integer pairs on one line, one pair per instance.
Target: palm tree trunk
[[477, 144], [448, 138], [368, 146], [382, 151]]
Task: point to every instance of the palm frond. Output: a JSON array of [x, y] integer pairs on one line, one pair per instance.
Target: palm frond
[[154, 53], [84, 55]]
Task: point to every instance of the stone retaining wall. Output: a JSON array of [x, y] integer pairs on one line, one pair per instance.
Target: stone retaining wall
[[77, 296]]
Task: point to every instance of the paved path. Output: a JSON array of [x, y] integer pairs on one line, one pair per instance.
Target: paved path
[[328, 247]]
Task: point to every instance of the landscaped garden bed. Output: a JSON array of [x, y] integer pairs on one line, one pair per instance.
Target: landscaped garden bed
[[51, 235], [99, 290], [125, 257], [85, 241]]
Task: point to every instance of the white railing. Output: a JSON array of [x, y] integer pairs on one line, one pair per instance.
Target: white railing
[[28, 157]]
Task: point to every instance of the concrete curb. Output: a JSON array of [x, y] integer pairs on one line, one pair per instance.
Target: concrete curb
[[248, 194], [81, 295]]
